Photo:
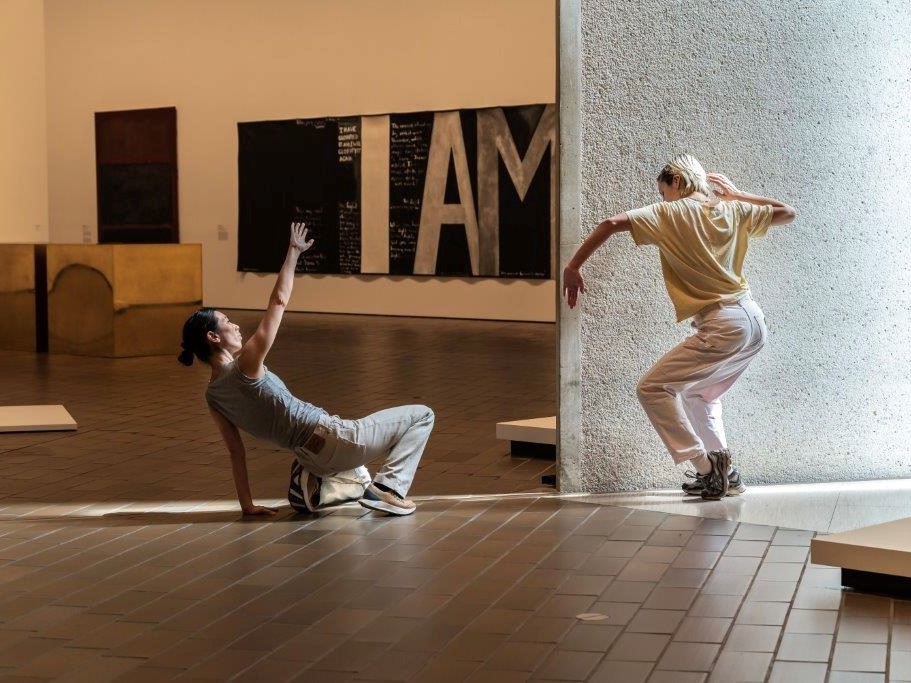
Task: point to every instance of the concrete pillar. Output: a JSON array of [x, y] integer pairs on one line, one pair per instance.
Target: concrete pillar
[[809, 102]]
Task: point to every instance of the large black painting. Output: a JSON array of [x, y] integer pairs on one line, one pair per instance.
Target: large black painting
[[470, 192], [294, 171]]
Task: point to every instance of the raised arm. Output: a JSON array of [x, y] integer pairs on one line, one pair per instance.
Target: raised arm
[[238, 453], [253, 354], [782, 214], [572, 279]]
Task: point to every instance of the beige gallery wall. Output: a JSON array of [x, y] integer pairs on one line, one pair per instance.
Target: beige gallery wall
[[223, 62], [23, 123]]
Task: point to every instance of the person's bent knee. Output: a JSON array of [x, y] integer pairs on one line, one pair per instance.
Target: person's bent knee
[[427, 414], [647, 388], [420, 413], [648, 391]]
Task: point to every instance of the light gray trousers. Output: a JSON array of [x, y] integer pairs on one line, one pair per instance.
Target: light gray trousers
[[397, 434], [681, 393]]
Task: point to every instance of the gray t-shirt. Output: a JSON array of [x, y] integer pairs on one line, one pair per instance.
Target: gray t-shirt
[[263, 407]]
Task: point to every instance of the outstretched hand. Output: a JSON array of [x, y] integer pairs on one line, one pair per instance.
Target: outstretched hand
[[724, 186], [572, 285], [259, 510], [299, 237]]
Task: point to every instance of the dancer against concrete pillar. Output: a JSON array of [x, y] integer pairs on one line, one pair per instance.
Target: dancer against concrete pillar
[[702, 240], [243, 394]]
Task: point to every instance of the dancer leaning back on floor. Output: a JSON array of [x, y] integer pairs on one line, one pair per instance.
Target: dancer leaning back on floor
[[702, 236], [330, 453]]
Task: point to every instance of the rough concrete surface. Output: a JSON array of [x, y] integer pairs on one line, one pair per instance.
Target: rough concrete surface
[[809, 102]]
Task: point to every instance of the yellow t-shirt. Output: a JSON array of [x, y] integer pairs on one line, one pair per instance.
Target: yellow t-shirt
[[702, 247]]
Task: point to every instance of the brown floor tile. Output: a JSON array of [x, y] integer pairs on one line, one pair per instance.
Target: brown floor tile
[[707, 543], [696, 559], [610, 671], [147, 674], [447, 670], [862, 630], [806, 672], [392, 665], [670, 597], [543, 630], [659, 676], [804, 647], [811, 621], [567, 665], [743, 666], [502, 621], [627, 591], [703, 629], [354, 659], [724, 606], [566, 606], [224, 664], [744, 638], [518, 656], [523, 598], [655, 621], [685, 578], [471, 645], [870, 657], [640, 647], [616, 613], [763, 613], [689, 657], [590, 637]]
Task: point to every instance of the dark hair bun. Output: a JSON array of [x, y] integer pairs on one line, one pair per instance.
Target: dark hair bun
[[195, 341]]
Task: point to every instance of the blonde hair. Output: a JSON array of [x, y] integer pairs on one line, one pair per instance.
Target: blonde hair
[[689, 170]]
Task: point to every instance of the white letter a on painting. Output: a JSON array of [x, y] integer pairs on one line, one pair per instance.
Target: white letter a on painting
[[445, 143]]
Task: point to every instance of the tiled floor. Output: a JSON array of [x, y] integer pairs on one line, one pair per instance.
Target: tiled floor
[[123, 556]]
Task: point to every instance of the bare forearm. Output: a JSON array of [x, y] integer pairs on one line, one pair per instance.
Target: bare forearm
[[241, 481], [758, 199], [285, 282], [781, 212], [590, 245]]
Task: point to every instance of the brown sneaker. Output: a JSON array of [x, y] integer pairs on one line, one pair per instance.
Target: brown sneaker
[[376, 499]]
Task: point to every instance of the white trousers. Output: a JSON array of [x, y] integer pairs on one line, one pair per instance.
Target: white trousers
[[344, 486], [397, 434], [682, 392]]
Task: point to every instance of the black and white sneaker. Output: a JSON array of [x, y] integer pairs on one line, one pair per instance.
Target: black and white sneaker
[[697, 486], [303, 489], [717, 481]]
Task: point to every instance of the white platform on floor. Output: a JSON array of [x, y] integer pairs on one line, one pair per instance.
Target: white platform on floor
[[49, 418], [537, 430], [880, 549]]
